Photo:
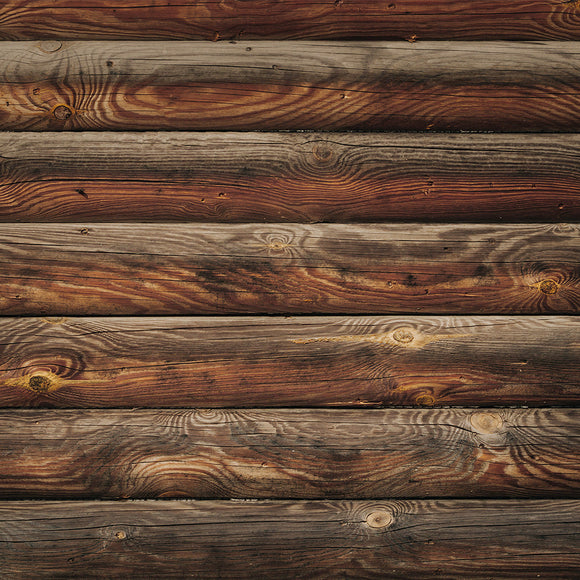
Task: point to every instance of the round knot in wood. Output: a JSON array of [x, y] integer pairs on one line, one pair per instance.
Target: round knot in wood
[[403, 335], [380, 519], [486, 423], [39, 384], [548, 287], [62, 112]]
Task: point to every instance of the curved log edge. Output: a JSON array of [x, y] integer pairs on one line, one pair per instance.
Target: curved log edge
[[282, 19], [361, 539], [144, 269], [281, 177], [305, 361], [290, 85], [290, 453]]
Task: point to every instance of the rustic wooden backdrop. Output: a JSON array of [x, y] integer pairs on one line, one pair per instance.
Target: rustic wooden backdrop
[[289, 289]]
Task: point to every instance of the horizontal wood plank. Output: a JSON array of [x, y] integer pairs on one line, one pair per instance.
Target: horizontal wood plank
[[215, 20], [290, 453], [146, 269], [351, 539], [281, 177], [271, 85], [305, 361]]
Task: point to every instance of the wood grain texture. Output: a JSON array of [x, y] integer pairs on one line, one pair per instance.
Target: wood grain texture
[[281, 177], [145, 269], [292, 453], [269, 85], [215, 20], [306, 361], [341, 539]]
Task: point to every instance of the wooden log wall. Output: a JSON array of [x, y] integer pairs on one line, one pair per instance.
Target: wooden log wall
[[295, 296]]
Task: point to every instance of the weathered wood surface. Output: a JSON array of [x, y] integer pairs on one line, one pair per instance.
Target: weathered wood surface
[[341, 539], [290, 453], [280, 177], [492, 86], [147, 269], [306, 361], [216, 20]]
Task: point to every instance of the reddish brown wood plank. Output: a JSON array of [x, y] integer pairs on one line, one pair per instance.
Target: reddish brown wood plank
[[291, 453], [352, 539], [305, 361], [217, 20], [281, 177], [145, 269], [269, 85]]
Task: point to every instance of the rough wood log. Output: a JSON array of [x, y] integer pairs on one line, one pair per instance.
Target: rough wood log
[[342, 539], [280, 177], [439, 86], [145, 269], [290, 453], [215, 20], [306, 361]]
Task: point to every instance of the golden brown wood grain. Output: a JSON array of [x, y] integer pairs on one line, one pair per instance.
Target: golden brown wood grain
[[304, 361], [282, 177], [290, 453], [219, 20], [269, 85], [350, 539], [158, 269]]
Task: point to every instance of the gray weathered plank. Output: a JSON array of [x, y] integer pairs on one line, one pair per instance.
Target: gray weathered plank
[[340, 539]]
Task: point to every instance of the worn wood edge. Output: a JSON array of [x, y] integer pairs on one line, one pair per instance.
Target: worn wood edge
[[288, 177], [290, 453], [242, 361], [210, 539]]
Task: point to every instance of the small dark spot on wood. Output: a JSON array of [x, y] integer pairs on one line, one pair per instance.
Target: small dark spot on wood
[[35, 91], [84, 231], [411, 281], [215, 37], [39, 384], [338, 2], [275, 66], [120, 535], [446, 248], [429, 183], [248, 48], [221, 194], [560, 205], [482, 271], [7, 104], [109, 63], [411, 38], [82, 192]]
